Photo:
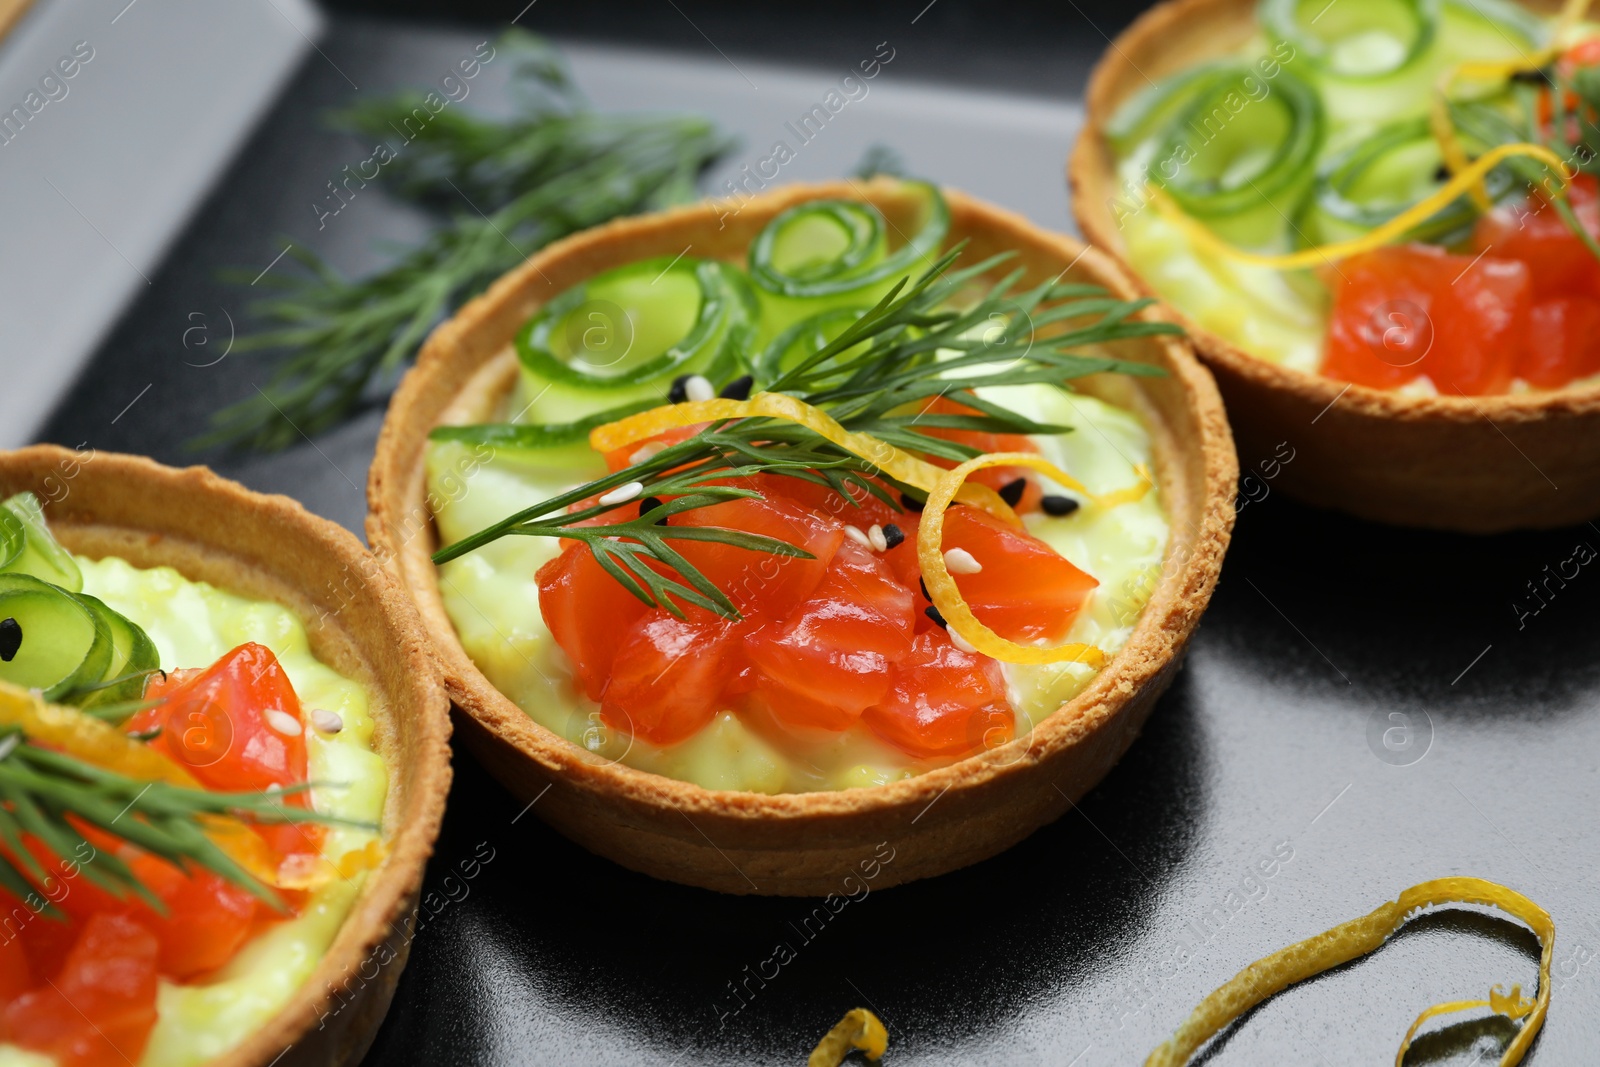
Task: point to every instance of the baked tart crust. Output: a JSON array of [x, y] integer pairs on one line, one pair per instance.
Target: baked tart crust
[[270, 548], [1478, 464], [803, 843]]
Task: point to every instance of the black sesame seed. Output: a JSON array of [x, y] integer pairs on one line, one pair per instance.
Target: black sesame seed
[[738, 389], [1058, 505], [892, 535], [10, 639], [649, 504], [911, 503], [680, 389], [938, 620], [925, 594], [1012, 491]]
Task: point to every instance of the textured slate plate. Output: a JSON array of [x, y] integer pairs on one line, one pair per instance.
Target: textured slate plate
[[1274, 793]]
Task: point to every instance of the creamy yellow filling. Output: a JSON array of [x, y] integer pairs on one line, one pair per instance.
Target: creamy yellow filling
[[192, 625], [492, 598], [1252, 307]]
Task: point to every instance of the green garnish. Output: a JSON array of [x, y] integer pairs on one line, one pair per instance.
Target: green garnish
[[54, 637], [74, 649], [1488, 125], [919, 341], [508, 189], [40, 789]]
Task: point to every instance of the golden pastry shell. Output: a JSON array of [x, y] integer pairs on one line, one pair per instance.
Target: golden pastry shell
[[1478, 464], [803, 844], [269, 547]]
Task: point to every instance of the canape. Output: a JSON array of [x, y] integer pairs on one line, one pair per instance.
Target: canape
[[225, 759], [744, 658], [1348, 217]]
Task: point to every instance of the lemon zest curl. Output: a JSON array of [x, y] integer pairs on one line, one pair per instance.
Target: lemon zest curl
[[1272, 974], [942, 588], [1202, 237], [859, 1029], [899, 465]]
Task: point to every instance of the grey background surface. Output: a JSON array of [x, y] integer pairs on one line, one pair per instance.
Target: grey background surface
[[98, 182]]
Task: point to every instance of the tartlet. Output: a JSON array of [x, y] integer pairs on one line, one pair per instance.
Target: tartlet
[[270, 548], [1478, 464], [803, 844]]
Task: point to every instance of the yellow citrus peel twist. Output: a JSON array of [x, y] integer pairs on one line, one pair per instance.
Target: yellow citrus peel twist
[[1444, 131], [943, 487], [902, 466], [85, 737], [942, 589], [1208, 242], [859, 1029], [1272, 974]]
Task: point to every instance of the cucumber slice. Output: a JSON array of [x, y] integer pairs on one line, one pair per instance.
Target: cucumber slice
[[41, 555], [1487, 30], [133, 655], [545, 443], [804, 338], [1477, 30], [1353, 39], [1227, 152], [1152, 109], [725, 298], [1374, 180], [828, 249], [12, 539], [634, 325], [826, 241], [53, 638]]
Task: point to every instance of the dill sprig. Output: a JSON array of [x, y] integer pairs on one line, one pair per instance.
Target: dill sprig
[[43, 792], [922, 340], [1571, 132], [504, 188]]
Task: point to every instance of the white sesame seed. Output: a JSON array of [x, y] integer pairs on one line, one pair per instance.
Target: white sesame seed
[[699, 387], [855, 534], [283, 722], [621, 494], [878, 539], [647, 452], [960, 561], [961, 642], [326, 721]]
